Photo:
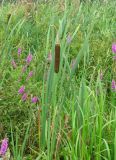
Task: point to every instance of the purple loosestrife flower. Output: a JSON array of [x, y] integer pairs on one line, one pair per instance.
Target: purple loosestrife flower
[[114, 47], [14, 64], [34, 99], [19, 51], [30, 75], [21, 90], [29, 58], [114, 57], [113, 85], [24, 68], [24, 97], [4, 146]]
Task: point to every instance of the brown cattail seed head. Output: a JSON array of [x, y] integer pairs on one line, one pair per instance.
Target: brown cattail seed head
[[57, 57]]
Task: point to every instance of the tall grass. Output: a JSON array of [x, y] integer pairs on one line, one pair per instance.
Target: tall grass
[[76, 118]]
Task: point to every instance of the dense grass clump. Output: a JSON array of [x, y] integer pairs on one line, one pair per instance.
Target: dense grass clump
[[69, 114]]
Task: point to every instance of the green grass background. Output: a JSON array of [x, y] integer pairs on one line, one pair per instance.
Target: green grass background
[[77, 111]]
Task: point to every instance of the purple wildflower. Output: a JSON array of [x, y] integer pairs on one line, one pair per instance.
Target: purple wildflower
[[69, 39], [24, 68], [114, 57], [34, 99], [113, 85], [114, 47], [19, 51], [21, 90], [14, 64], [30, 75], [29, 58], [24, 97], [4, 146]]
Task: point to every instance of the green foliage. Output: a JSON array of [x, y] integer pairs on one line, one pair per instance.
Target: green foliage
[[76, 118]]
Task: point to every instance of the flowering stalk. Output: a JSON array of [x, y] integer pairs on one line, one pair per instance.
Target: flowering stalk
[[19, 51], [24, 97], [21, 90], [29, 75], [24, 68], [113, 85], [34, 99], [4, 147], [29, 58], [114, 50], [14, 64]]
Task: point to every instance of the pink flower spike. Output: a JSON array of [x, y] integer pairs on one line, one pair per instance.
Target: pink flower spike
[[14, 64], [19, 51], [114, 47], [30, 75], [24, 97], [113, 85], [114, 57], [29, 58], [34, 99], [24, 68], [21, 90], [4, 146]]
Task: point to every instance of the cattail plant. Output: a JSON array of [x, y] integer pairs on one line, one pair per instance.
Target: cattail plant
[[57, 56]]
